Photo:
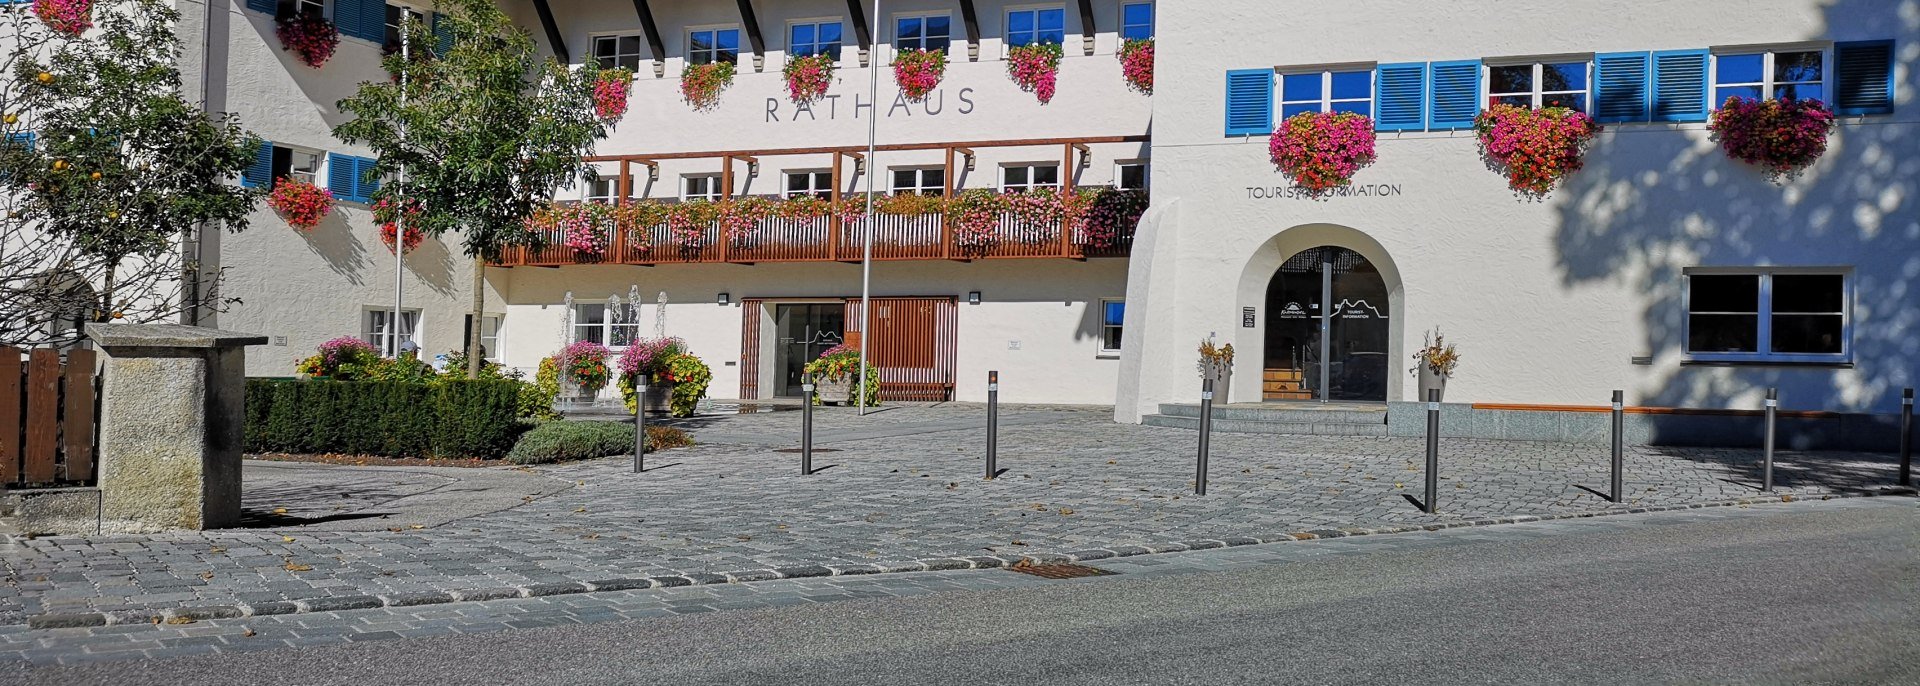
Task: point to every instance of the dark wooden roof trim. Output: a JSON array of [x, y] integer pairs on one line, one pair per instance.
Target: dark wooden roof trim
[[652, 29], [970, 17], [860, 28], [554, 40], [752, 24]]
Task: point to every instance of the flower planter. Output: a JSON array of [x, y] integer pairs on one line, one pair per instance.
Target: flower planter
[[1222, 382], [838, 390], [657, 399], [1432, 381]]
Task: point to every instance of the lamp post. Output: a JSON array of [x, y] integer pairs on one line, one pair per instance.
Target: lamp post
[[866, 241], [400, 215]]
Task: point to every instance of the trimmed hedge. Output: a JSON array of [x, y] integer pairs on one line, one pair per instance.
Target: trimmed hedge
[[572, 440], [453, 418]]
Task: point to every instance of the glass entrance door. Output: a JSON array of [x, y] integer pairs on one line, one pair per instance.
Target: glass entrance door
[[1326, 336], [805, 331]]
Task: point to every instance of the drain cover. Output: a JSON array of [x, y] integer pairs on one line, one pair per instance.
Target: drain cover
[[1061, 571], [797, 450]]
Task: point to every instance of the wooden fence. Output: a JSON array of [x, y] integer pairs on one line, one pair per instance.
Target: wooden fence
[[47, 417]]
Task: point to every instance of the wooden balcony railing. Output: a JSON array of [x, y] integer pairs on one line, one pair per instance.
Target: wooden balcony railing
[[823, 239]]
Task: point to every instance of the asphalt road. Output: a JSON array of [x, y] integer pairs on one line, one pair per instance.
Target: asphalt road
[[1812, 594]]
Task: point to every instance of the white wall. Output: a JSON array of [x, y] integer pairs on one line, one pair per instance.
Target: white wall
[[1049, 306], [1548, 301], [313, 286]]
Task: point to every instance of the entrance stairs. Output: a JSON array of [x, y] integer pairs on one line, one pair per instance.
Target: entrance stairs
[[1297, 418]]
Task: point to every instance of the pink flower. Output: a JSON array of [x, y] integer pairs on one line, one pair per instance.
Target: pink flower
[[1136, 63], [70, 17], [1782, 137], [610, 94], [310, 37], [1535, 149], [301, 203], [1321, 151], [918, 72], [809, 77], [1036, 68]]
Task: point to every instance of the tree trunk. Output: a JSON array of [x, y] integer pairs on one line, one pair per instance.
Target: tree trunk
[[474, 355]]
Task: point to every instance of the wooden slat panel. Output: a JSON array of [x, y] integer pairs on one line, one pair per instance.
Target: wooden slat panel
[[43, 416], [750, 310], [913, 346], [76, 417], [11, 413]]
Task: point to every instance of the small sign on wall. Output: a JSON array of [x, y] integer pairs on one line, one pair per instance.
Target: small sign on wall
[[1246, 318]]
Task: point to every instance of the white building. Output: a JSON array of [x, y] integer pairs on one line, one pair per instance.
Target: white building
[[1555, 302]]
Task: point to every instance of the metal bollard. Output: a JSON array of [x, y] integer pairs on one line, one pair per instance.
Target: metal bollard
[[1433, 450], [640, 427], [1619, 444], [806, 426], [1766, 477], [1906, 438], [993, 424], [1206, 433]]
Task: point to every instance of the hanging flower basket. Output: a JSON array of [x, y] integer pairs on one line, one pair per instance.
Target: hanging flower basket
[[687, 222], [301, 203], [809, 77], [1136, 63], [68, 17], [1534, 149], [918, 72], [1321, 151], [701, 84], [387, 213], [312, 38], [1781, 137], [610, 94], [1036, 68]]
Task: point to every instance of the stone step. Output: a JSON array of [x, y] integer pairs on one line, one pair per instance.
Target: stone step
[[1254, 426], [1287, 415]]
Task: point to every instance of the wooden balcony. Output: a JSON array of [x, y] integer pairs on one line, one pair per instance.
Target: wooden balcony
[[823, 239]]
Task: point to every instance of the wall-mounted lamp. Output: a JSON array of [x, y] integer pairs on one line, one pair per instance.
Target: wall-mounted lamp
[[973, 297], [725, 299], [653, 170], [1086, 154], [968, 153]]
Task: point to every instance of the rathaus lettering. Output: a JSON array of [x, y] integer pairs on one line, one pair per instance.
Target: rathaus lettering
[[828, 108]]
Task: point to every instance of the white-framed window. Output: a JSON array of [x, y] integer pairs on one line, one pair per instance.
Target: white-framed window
[[1136, 20], [1113, 315], [1540, 84], [920, 180], [1019, 178], [1346, 89], [602, 188], [396, 18], [808, 38], [377, 328], [1130, 175], [617, 52], [1769, 315], [1796, 73], [1028, 25], [715, 44], [923, 31], [592, 323], [700, 187], [287, 8], [812, 182], [490, 336], [295, 163]]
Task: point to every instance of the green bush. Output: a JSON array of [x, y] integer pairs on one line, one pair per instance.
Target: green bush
[[453, 418], [562, 441]]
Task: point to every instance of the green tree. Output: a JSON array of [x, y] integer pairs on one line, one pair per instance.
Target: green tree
[[105, 170], [491, 130]]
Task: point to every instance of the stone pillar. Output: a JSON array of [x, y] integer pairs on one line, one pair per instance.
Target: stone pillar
[[172, 425]]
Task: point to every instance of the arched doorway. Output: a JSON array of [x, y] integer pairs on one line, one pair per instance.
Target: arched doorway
[[1327, 333]]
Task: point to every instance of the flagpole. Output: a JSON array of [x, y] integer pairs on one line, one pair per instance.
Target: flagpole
[[400, 215], [866, 242]]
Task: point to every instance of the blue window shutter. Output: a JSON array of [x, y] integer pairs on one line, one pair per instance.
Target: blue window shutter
[[1249, 102], [442, 34], [374, 20], [1680, 85], [1620, 86], [346, 17], [23, 139], [267, 6], [1863, 77], [1454, 100], [368, 184], [341, 171], [1400, 92], [259, 174]]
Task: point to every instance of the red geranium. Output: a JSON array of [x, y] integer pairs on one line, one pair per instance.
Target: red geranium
[[309, 36], [1782, 137], [300, 202]]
